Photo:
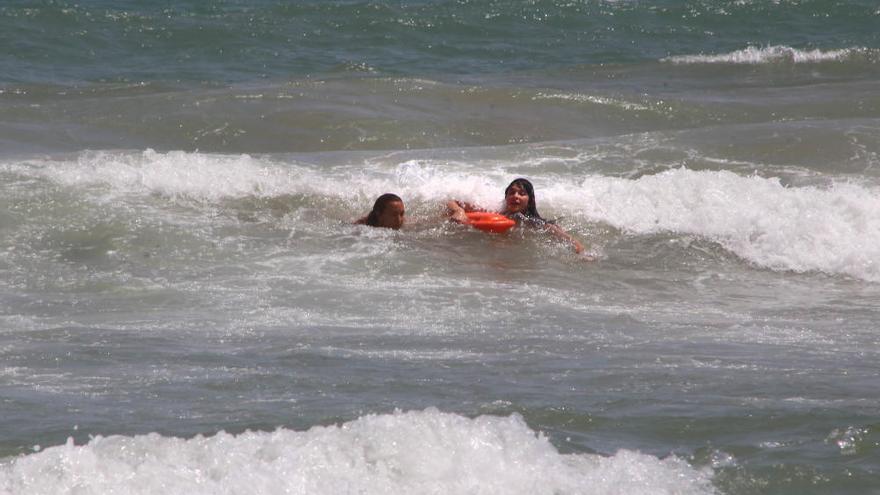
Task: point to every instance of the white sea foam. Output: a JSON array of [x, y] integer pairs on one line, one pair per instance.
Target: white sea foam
[[421, 452], [835, 230], [598, 100], [211, 177], [774, 54], [193, 175]]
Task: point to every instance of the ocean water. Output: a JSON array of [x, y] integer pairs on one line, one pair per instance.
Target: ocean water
[[186, 307]]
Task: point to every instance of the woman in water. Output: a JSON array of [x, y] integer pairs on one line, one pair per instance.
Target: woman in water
[[388, 212], [519, 205]]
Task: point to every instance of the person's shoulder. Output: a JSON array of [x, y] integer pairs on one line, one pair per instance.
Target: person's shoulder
[[531, 220]]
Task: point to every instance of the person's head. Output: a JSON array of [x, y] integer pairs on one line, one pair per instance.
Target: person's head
[[519, 198], [388, 212]]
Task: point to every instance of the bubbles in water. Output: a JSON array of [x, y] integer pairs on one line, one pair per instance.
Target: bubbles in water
[[848, 440]]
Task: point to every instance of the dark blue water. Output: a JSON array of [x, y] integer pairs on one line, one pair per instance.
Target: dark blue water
[[239, 41]]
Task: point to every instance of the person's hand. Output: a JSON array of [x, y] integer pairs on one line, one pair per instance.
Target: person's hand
[[456, 212], [459, 217], [588, 257]]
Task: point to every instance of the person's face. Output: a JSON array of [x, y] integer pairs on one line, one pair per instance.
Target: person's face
[[516, 199], [392, 215]]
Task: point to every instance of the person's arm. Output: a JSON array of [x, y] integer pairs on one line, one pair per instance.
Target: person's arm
[[456, 210], [361, 221], [565, 236]]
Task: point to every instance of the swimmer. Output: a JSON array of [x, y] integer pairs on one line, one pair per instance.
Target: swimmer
[[388, 212], [519, 205]]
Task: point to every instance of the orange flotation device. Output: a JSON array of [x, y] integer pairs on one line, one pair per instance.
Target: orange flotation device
[[489, 222]]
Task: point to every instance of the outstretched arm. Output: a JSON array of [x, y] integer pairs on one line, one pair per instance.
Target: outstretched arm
[[456, 210], [566, 237]]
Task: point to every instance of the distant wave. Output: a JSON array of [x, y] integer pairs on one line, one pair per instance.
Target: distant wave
[[598, 100], [405, 452], [776, 54]]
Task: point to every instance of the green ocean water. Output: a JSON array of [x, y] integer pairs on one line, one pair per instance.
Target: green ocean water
[[240, 41]]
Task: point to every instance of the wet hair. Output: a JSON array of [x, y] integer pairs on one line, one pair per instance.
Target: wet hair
[[379, 206], [531, 214]]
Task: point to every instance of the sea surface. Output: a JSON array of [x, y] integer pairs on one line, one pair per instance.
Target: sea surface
[[186, 307]]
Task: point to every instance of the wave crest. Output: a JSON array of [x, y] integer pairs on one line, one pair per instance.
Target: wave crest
[[426, 451], [778, 54], [834, 230]]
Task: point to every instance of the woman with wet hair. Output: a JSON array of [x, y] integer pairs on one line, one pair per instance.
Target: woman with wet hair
[[388, 212], [519, 205]]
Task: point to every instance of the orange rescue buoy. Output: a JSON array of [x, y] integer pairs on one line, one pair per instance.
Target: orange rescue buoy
[[489, 222]]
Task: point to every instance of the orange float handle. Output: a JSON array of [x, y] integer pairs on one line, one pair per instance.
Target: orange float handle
[[489, 222]]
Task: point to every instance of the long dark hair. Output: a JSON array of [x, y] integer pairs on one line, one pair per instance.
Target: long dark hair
[[531, 212], [379, 206]]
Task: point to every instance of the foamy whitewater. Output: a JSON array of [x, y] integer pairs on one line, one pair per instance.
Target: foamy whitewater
[[187, 307], [415, 452], [833, 229]]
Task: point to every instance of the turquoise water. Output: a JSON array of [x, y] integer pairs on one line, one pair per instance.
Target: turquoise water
[[185, 306], [241, 41]]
